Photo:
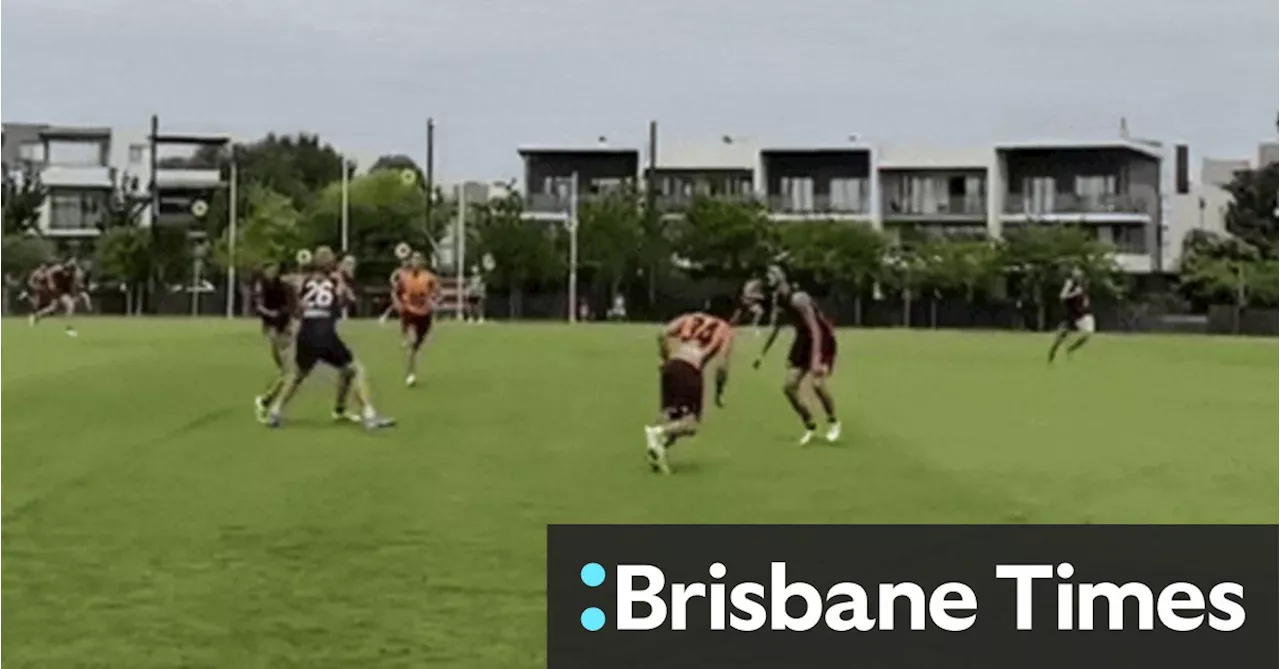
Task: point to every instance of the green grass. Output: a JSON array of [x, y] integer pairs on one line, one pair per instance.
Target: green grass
[[150, 522]]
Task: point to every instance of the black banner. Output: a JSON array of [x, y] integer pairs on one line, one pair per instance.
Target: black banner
[[811, 596]]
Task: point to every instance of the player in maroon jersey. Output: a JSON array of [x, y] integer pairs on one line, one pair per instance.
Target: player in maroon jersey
[[812, 355], [1079, 315]]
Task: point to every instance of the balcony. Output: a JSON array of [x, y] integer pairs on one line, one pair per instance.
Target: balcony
[[188, 177], [76, 176], [547, 203], [818, 205], [675, 203], [1069, 204], [960, 206]]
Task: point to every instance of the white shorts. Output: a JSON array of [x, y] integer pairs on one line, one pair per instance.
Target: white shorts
[[1084, 324]]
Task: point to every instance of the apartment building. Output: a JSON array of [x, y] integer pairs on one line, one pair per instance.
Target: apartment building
[[1201, 203], [1113, 187], [84, 168]]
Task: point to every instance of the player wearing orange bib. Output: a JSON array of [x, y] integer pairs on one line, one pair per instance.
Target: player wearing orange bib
[[687, 346], [414, 298]]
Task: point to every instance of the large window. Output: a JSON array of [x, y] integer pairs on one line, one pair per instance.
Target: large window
[[76, 210], [32, 152], [797, 193], [850, 195], [75, 153], [1038, 195]]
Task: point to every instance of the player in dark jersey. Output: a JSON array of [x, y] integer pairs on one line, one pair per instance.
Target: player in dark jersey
[[273, 301], [1079, 315], [63, 281], [812, 355], [754, 302], [321, 296], [40, 289]]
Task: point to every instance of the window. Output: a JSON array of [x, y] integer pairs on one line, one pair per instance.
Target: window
[[75, 210], [1038, 195], [797, 194], [75, 153], [137, 152], [849, 195], [1129, 238], [31, 152]]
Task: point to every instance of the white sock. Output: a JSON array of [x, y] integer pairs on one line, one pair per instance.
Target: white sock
[[369, 412]]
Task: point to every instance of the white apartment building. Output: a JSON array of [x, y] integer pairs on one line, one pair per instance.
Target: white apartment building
[[1115, 187]]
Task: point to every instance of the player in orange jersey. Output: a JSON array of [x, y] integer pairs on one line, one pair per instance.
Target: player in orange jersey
[[414, 298], [687, 345]]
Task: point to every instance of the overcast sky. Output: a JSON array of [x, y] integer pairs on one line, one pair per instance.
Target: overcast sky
[[498, 73]]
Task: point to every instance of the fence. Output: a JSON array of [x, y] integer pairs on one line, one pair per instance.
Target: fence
[[1133, 316]]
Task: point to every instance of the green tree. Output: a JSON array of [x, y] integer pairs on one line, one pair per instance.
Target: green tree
[[384, 211], [1212, 267], [124, 254], [525, 252], [399, 162], [269, 231], [1251, 215], [297, 166], [728, 238], [610, 238], [23, 253], [23, 195]]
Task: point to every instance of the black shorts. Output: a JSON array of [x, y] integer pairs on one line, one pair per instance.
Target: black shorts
[[321, 346], [802, 349], [681, 390], [276, 324]]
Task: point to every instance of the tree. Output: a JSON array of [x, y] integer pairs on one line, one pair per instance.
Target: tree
[[1206, 272], [269, 231], [23, 253], [384, 211], [124, 255], [524, 251], [610, 235], [1251, 216], [399, 162], [728, 238], [297, 166], [23, 195]]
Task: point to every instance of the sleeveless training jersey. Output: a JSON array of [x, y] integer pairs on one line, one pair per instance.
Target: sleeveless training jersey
[[320, 303], [698, 337]]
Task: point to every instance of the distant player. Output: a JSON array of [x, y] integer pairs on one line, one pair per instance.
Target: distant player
[[403, 251], [63, 282], [413, 295], [321, 297], [39, 290], [687, 345], [812, 355], [1079, 316], [273, 301], [751, 302]]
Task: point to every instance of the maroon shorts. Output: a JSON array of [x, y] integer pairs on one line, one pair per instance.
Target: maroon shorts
[[420, 323], [802, 349], [681, 389]]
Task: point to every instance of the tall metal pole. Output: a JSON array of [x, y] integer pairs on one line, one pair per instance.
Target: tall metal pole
[[154, 159], [231, 243], [430, 184], [346, 207], [572, 224], [460, 251]]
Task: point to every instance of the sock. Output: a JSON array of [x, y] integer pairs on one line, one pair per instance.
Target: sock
[[368, 412]]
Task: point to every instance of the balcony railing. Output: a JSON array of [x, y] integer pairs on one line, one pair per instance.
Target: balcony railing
[[960, 205], [818, 204], [678, 202], [1070, 203], [546, 203]]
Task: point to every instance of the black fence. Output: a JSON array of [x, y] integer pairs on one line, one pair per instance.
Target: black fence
[[889, 312]]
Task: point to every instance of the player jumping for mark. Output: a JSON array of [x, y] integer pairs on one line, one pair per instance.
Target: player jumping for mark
[[812, 355], [686, 346], [321, 297], [1079, 315]]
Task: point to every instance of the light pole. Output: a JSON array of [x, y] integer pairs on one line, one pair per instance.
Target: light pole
[[231, 243], [460, 252], [346, 206], [572, 224]]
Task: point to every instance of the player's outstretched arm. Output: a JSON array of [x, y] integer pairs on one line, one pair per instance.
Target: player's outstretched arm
[[768, 343], [722, 371]]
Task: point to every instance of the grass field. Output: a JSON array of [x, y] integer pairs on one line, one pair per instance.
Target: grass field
[[150, 522]]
